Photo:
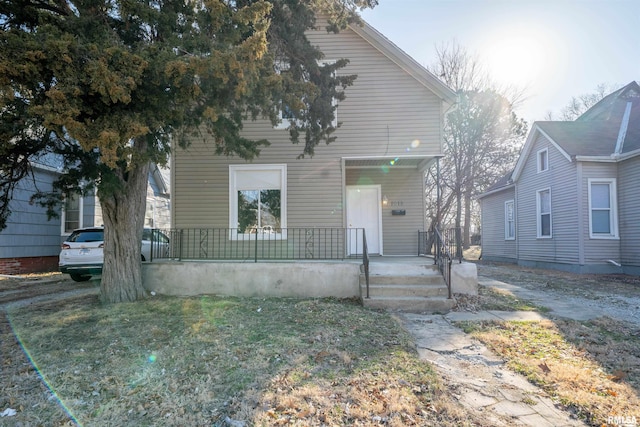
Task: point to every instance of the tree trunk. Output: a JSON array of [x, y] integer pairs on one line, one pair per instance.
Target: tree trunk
[[466, 234], [123, 223]]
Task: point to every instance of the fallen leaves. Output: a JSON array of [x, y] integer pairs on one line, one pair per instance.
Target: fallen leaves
[[545, 368]]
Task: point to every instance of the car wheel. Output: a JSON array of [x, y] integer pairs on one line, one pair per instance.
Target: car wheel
[[80, 277]]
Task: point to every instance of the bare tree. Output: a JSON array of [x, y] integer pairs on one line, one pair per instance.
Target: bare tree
[[482, 137], [581, 103]]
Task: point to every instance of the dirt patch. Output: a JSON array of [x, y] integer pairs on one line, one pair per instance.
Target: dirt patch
[[583, 285], [32, 286]]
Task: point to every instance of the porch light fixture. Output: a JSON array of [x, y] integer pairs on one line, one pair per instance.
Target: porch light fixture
[[385, 200]]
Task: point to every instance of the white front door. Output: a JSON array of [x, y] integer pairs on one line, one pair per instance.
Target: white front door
[[364, 211]]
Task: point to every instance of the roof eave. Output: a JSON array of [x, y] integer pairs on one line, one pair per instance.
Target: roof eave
[[535, 129], [496, 190], [406, 62], [598, 159]]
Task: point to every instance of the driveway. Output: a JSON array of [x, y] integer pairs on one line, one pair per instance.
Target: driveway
[[573, 296], [19, 291], [479, 379]]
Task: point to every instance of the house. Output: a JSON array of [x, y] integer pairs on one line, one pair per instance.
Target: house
[[571, 202], [293, 212], [371, 177], [31, 242]]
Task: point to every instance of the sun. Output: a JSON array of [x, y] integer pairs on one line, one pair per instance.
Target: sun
[[517, 58]]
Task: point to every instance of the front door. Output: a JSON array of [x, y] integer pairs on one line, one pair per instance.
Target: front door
[[364, 211]]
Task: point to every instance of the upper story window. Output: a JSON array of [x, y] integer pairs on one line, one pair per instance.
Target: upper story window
[[543, 205], [258, 200], [603, 217], [509, 220], [543, 160], [286, 113], [72, 213]]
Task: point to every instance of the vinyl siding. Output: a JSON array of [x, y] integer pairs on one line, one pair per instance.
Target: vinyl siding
[[494, 245], [629, 211], [386, 113], [596, 251], [29, 233], [403, 188], [561, 179]]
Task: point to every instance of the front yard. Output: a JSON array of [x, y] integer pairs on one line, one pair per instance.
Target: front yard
[[218, 361]]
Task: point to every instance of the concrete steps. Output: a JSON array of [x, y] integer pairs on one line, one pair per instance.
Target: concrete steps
[[406, 288]]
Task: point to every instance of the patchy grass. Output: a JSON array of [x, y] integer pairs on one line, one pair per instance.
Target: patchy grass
[[494, 299], [591, 286], [592, 367], [472, 253], [201, 361]]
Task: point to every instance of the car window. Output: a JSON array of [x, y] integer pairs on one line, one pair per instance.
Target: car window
[[160, 237], [86, 236]]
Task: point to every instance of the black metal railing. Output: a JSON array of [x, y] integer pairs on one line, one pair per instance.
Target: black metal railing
[[365, 259], [445, 246], [442, 258], [451, 238], [260, 245]]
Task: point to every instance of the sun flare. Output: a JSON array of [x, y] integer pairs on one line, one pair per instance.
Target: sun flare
[[517, 58]]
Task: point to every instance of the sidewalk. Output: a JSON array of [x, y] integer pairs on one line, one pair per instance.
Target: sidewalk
[[477, 377]]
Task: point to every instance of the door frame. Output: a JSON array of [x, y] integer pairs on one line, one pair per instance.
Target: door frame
[[378, 189]]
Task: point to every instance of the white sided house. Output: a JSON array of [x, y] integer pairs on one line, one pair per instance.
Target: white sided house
[[280, 207], [571, 202]]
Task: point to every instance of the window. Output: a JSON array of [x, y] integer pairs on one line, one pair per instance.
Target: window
[[72, 213], [509, 221], [257, 199], [544, 213], [286, 112], [602, 208], [543, 160]]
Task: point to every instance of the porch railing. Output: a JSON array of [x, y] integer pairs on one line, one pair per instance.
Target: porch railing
[[445, 247], [365, 259], [260, 245], [451, 239]]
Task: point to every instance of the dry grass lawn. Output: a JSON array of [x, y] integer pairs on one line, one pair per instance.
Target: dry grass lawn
[[215, 361], [591, 367]]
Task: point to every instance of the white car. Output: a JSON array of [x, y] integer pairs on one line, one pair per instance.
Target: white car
[[82, 254]]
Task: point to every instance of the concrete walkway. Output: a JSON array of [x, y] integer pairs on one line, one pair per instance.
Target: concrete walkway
[[478, 378]]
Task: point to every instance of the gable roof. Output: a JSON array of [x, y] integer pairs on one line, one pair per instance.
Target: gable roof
[[608, 131], [612, 105], [502, 184], [406, 62]]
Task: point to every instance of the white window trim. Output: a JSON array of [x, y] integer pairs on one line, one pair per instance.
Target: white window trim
[[613, 210], [506, 220], [286, 123], [233, 198], [546, 151], [63, 216], [539, 213]]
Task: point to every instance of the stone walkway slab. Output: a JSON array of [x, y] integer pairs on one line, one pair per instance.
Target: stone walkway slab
[[478, 378]]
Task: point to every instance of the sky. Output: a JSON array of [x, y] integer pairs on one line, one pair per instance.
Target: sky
[[554, 49]]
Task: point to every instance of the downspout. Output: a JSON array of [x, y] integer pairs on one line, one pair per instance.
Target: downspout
[[581, 210]]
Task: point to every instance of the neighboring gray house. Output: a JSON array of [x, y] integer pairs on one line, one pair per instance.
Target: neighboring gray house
[[571, 202], [31, 243], [371, 177]]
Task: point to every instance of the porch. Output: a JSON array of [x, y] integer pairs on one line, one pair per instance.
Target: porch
[[328, 263]]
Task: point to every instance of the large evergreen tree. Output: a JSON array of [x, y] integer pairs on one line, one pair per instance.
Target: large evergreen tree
[[112, 85]]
